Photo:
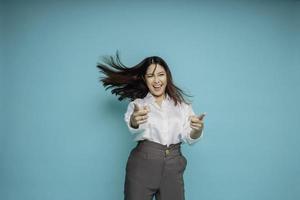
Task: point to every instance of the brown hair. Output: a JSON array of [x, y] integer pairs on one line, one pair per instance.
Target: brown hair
[[128, 82]]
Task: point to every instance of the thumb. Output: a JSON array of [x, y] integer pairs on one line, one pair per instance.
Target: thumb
[[136, 107]]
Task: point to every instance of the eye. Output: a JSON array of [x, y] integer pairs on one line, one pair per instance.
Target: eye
[[161, 74], [149, 76]]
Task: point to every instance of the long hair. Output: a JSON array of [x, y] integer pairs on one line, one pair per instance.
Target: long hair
[[129, 82]]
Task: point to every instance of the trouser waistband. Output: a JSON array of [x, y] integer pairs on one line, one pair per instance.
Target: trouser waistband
[[154, 147]]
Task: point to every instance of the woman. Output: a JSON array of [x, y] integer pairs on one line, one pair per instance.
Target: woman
[[160, 120]]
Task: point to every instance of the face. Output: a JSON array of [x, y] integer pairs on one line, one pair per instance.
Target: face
[[156, 80]]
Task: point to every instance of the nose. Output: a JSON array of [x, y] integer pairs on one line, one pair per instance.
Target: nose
[[156, 80]]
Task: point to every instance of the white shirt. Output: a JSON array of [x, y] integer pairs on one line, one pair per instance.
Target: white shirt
[[168, 124]]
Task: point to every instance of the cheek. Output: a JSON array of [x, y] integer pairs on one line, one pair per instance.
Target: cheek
[[148, 82], [164, 80]]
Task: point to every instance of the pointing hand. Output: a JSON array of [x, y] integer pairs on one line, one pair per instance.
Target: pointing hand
[[197, 123], [139, 115]]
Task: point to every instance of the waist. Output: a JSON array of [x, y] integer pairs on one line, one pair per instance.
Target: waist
[[157, 148]]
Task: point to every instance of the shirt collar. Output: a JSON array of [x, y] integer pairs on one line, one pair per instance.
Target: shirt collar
[[151, 99]]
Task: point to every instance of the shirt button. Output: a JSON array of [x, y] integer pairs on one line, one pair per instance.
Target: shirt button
[[167, 151]]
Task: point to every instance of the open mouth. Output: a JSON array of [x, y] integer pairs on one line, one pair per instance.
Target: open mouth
[[157, 87]]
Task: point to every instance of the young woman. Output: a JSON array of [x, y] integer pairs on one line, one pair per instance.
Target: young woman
[[160, 119]]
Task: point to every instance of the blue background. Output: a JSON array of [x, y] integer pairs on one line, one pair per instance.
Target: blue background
[[63, 136]]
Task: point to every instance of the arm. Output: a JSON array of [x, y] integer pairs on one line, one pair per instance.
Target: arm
[[190, 135]]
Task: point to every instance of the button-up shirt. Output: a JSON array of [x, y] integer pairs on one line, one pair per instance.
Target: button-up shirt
[[166, 124]]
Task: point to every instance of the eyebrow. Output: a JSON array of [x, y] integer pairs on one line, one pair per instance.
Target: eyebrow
[[157, 73]]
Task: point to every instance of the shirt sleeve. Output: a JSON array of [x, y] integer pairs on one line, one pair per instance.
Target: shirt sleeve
[[141, 128], [187, 112]]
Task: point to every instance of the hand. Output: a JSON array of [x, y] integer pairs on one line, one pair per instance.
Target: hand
[[197, 123], [139, 116]]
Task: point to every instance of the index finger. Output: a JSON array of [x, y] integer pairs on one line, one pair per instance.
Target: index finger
[[136, 107], [201, 116]]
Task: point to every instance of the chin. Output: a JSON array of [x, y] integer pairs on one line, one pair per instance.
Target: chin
[[158, 94]]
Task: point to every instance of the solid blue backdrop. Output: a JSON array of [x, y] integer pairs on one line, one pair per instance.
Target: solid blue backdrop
[[63, 136]]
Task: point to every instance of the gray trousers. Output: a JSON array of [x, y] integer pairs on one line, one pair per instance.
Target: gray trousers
[[152, 170]]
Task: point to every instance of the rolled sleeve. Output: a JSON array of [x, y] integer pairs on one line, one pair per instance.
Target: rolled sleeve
[[141, 128], [187, 112]]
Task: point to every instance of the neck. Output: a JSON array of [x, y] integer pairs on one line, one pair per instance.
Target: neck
[[159, 99]]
